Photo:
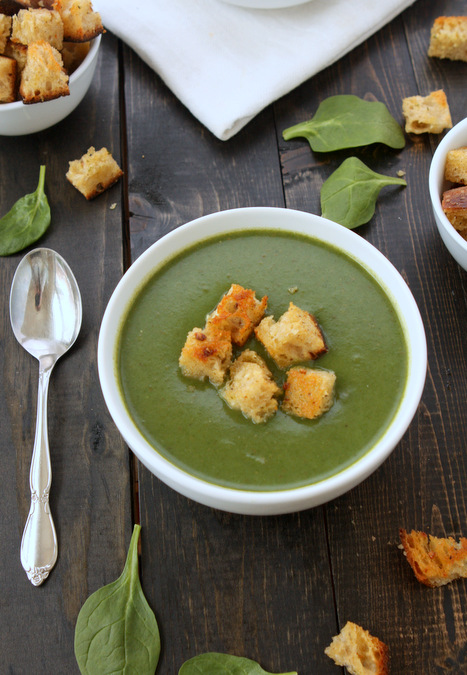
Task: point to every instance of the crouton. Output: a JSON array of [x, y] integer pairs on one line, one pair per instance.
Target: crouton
[[8, 69], [94, 172], [436, 561], [43, 77], [295, 337], [73, 55], [448, 38], [206, 354], [308, 392], [34, 25], [239, 311], [427, 114], [358, 651], [251, 387], [454, 205], [80, 22], [456, 166], [17, 52], [5, 30]]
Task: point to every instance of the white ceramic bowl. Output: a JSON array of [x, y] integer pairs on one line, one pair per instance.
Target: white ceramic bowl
[[266, 4], [18, 119], [252, 502], [456, 245]]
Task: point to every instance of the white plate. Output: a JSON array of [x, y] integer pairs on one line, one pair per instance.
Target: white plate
[[266, 4]]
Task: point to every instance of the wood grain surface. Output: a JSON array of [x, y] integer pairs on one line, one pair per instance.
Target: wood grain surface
[[274, 589]]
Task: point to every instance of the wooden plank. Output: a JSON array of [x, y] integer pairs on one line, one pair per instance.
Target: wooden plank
[[422, 483], [217, 581], [90, 497]]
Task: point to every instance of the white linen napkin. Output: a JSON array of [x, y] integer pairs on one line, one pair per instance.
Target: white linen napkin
[[226, 63]]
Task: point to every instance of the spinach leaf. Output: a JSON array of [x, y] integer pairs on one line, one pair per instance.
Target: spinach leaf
[[347, 121], [349, 195], [116, 631], [213, 663], [26, 221]]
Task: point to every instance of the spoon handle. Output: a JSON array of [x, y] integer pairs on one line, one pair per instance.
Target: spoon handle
[[39, 548]]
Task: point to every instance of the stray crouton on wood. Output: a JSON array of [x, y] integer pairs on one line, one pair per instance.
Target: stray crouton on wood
[[448, 38], [94, 172], [238, 312], [427, 114], [294, 338], [251, 387], [436, 561], [206, 354], [308, 392], [358, 651]]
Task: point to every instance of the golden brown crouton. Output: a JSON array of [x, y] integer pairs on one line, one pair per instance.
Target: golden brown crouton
[[436, 561], [251, 388], [34, 25], [5, 30], [427, 114], [80, 22], [456, 166], [7, 79], [454, 205], [448, 38], [17, 52], [206, 354], [94, 172], [358, 651], [295, 337], [43, 77], [308, 392], [239, 312], [73, 55]]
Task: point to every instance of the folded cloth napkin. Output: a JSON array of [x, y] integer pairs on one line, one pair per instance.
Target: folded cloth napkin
[[226, 63]]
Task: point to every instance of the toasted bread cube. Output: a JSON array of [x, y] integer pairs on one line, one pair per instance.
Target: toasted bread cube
[[239, 312], [33, 25], [94, 172], [73, 55], [448, 38], [308, 392], [427, 114], [358, 651], [18, 52], [5, 30], [43, 77], [251, 388], [295, 337], [454, 205], [456, 166], [80, 22], [206, 354], [436, 561], [8, 69]]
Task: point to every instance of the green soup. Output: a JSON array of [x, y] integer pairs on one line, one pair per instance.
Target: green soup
[[187, 421]]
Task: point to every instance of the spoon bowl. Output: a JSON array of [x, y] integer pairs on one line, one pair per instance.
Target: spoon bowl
[[45, 314]]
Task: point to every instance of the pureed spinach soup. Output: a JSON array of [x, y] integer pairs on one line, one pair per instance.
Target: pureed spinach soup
[[187, 421]]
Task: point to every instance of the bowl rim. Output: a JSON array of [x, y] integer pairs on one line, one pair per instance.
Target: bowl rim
[[255, 502], [436, 180], [75, 75]]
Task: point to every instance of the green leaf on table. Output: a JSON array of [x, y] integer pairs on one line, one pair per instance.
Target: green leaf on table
[[116, 631], [214, 663], [347, 121], [26, 221], [349, 195]]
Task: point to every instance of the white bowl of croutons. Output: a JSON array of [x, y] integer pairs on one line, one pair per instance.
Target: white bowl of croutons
[[448, 191], [56, 96], [262, 360]]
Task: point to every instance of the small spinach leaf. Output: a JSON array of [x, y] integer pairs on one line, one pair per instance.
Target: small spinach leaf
[[214, 663], [347, 121], [349, 195], [26, 221], [116, 631]]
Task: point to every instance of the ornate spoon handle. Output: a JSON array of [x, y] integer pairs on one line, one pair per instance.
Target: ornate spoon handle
[[39, 548]]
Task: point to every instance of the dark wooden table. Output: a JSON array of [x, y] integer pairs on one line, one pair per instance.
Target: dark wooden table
[[274, 589]]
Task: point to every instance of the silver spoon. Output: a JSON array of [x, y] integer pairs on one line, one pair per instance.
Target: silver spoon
[[45, 314]]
